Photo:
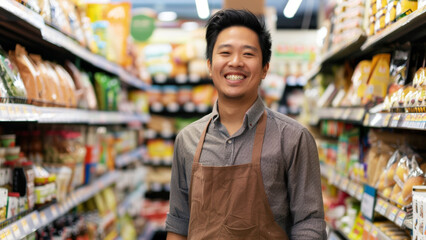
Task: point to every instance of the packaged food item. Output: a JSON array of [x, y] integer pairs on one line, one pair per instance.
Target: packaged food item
[[379, 79], [30, 75], [399, 68], [169, 95], [19, 181], [67, 85], [140, 100], [380, 20], [45, 10], [360, 80], [118, 16], [12, 204], [30, 177], [391, 12], [8, 140], [56, 85], [12, 153], [74, 21], [13, 83], [3, 204], [50, 85], [59, 18], [405, 7], [184, 95], [31, 4]]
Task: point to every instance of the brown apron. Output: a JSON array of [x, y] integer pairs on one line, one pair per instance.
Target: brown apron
[[230, 202]]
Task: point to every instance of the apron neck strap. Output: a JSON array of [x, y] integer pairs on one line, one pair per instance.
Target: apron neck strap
[[258, 140], [200, 143]]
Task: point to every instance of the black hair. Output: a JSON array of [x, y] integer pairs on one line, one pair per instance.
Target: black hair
[[231, 17]]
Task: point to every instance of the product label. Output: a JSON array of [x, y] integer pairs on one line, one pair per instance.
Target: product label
[[392, 213], [16, 232], [400, 218], [25, 226]]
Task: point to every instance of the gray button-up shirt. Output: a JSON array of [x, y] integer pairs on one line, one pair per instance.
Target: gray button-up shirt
[[289, 165]]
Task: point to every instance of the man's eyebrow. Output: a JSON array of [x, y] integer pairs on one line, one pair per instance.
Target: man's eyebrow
[[229, 45]]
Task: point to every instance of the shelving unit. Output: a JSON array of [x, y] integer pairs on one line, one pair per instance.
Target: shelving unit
[[13, 13], [409, 28], [39, 218], [18, 24], [385, 207], [28, 113]]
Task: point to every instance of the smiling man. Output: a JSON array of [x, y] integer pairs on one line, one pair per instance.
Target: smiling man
[[243, 171]]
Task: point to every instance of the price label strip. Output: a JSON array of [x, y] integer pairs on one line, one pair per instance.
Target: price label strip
[[35, 219], [344, 184], [4, 115], [395, 120], [9, 235], [352, 188], [16, 231], [25, 226], [384, 209], [393, 213], [400, 218], [368, 201], [43, 218], [379, 205], [387, 119], [54, 211], [359, 192]]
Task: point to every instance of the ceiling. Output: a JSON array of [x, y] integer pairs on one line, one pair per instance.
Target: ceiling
[[306, 16]]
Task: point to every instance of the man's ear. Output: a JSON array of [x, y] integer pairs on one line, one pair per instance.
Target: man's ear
[[209, 66], [265, 70]]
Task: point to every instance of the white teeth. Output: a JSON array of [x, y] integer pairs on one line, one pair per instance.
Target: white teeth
[[234, 77]]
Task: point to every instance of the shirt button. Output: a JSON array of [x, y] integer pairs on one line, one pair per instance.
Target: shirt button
[[229, 141]]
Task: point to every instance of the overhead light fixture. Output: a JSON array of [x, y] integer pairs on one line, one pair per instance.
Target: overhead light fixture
[[167, 16], [291, 8], [203, 10]]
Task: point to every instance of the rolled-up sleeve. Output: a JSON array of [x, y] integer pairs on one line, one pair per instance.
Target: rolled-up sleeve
[[304, 189], [178, 216]]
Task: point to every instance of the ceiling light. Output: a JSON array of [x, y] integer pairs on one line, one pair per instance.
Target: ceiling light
[[203, 10], [167, 16], [291, 8]]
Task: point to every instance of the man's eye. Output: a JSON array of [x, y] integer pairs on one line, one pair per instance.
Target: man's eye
[[224, 52], [249, 54]]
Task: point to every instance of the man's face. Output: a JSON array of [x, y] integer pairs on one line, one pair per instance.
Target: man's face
[[236, 66]]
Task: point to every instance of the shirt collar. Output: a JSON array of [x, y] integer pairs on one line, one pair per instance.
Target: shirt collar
[[251, 117]]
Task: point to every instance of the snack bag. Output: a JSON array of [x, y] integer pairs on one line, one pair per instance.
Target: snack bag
[[11, 81]]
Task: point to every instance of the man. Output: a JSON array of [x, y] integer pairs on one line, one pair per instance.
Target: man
[[243, 171]]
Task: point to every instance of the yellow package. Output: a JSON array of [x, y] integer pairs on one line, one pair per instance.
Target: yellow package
[[391, 12], [360, 77], [405, 7], [119, 16], [381, 4], [380, 21], [379, 78]]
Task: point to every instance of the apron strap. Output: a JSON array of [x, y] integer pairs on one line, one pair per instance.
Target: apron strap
[[200, 143], [258, 139]]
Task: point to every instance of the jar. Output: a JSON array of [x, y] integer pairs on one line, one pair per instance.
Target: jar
[[8, 140], [12, 153], [19, 181]]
